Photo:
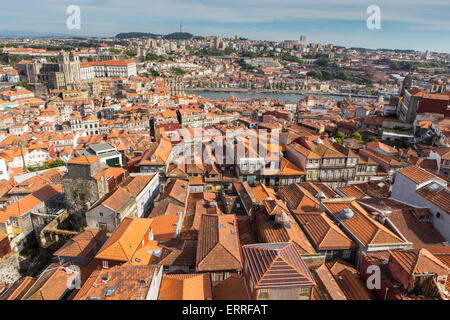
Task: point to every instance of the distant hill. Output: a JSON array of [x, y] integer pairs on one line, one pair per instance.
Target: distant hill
[[127, 35], [179, 36], [171, 36]]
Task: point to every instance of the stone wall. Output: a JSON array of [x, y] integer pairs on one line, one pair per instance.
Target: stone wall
[[9, 269]]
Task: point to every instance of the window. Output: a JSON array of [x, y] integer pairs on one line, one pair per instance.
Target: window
[[15, 222], [346, 254], [105, 264], [263, 294], [304, 293], [101, 214]]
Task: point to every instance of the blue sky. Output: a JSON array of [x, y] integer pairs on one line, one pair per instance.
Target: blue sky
[[405, 24]]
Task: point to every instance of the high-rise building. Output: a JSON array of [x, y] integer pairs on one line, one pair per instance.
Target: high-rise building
[[303, 40], [216, 42]]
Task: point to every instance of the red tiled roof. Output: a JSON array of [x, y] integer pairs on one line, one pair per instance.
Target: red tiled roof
[[185, 287], [366, 229], [421, 261], [218, 245], [233, 288], [266, 261], [417, 174], [323, 231]]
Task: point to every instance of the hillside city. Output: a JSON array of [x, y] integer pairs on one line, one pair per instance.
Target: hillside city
[[180, 167]]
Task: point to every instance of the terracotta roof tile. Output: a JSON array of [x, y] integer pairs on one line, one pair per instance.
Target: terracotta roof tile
[[233, 288], [125, 240], [366, 229], [353, 286], [81, 244], [417, 174], [85, 160], [123, 282], [265, 261], [185, 287], [218, 245], [323, 231]]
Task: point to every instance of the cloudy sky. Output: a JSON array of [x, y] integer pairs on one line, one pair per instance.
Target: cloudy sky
[[405, 24]]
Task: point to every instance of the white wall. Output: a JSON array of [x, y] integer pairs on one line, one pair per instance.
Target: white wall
[[93, 218], [4, 174], [404, 190]]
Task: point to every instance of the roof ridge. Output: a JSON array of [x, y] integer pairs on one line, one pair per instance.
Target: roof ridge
[[430, 256]]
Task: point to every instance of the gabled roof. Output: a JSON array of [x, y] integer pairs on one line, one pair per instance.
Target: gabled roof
[[352, 285], [287, 168], [283, 229], [135, 185], [117, 199], [176, 190], [157, 154], [323, 231], [27, 203], [232, 288], [266, 261], [185, 287], [417, 174], [81, 244], [18, 289], [182, 253], [304, 151], [406, 220], [326, 152], [421, 261], [51, 284], [326, 286], [261, 192], [167, 208], [365, 229], [85, 160], [125, 240], [352, 191], [294, 194], [123, 282], [218, 246], [315, 187]]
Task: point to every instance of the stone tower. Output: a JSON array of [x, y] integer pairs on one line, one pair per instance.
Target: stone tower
[[69, 65], [407, 84], [176, 86], [84, 184]]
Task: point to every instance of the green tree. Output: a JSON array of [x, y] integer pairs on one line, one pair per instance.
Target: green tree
[[23, 84], [373, 139], [323, 61], [57, 163], [132, 53], [114, 50], [356, 136], [177, 71]]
